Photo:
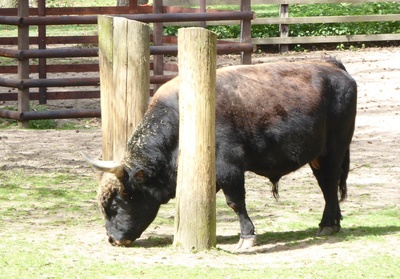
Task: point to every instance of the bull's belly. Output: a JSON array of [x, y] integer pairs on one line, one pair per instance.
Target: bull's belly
[[275, 171], [277, 163]]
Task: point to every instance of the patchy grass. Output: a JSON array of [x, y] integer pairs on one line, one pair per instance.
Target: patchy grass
[[51, 228]]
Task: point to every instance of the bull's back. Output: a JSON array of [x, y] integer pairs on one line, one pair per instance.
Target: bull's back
[[274, 118], [277, 116]]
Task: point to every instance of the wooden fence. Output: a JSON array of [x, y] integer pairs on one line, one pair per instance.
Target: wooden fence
[[162, 13], [284, 21], [24, 17]]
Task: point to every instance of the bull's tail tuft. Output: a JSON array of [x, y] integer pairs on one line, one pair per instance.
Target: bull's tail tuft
[[275, 188]]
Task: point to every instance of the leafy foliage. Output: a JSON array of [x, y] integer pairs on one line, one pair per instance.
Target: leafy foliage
[[344, 9], [320, 29]]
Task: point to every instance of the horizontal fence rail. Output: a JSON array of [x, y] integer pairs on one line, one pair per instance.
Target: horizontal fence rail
[[148, 18]]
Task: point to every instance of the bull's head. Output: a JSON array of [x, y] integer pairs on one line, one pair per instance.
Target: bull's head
[[128, 211]]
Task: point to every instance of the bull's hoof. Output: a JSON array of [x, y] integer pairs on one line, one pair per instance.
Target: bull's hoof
[[246, 243], [322, 231]]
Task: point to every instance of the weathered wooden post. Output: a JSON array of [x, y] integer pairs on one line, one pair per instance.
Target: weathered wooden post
[[195, 224], [245, 31], [23, 64], [284, 28], [124, 53]]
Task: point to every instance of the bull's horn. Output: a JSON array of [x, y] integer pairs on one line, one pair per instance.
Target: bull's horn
[[113, 167]]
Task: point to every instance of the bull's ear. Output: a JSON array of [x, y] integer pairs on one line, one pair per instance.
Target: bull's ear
[[139, 176], [113, 167]]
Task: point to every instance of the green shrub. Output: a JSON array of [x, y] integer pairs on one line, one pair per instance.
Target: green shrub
[[320, 29]]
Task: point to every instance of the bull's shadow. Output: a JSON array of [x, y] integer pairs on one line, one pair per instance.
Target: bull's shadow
[[270, 242]]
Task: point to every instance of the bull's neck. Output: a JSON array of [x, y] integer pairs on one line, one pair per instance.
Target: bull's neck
[[153, 145]]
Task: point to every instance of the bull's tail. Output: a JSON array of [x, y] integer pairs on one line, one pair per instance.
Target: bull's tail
[[275, 187], [343, 178]]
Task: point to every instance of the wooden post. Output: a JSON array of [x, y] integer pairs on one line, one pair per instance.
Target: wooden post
[[42, 44], [158, 34], [195, 224], [124, 52], [284, 28], [23, 64], [245, 31]]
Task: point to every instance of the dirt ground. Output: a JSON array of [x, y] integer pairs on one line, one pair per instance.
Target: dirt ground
[[375, 164]]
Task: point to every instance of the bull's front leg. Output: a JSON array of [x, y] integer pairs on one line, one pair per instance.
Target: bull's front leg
[[236, 201]]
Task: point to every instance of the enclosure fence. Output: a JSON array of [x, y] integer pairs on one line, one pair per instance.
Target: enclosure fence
[[39, 56], [42, 17]]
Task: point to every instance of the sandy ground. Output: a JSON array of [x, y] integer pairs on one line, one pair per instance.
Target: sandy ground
[[375, 165]]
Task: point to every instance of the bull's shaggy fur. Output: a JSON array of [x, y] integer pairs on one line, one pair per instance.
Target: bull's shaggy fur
[[108, 185]]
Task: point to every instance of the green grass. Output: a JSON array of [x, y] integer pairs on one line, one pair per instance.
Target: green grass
[[50, 192], [47, 221]]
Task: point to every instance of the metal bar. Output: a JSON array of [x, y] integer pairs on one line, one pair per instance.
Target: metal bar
[[147, 18], [10, 20], [243, 15], [56, 82], [60, 114], [265, 20], [49, 53], [221, 49], [11, 53], [54, 68], [60, 82], [55, 95], [10, 114], [53, 40], [50, 114]]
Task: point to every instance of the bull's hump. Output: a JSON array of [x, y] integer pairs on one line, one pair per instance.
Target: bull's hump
[[271, 87]]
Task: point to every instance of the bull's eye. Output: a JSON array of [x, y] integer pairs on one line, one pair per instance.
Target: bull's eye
[[126, 195], [114, 206]]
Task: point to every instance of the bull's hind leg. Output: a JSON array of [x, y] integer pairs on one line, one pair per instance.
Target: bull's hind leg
[[328, 170], [235, 198]]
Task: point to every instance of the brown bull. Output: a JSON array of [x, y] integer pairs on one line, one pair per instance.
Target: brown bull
[[271, 119]]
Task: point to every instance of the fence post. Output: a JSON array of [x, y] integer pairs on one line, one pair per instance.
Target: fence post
[[195, 225], [124, 53], [284, 28], [42, 45], [245, 31], [158, 60], [23, 64]]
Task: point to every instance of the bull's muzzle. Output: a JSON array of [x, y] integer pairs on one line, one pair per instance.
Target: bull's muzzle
[[115, 242]]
